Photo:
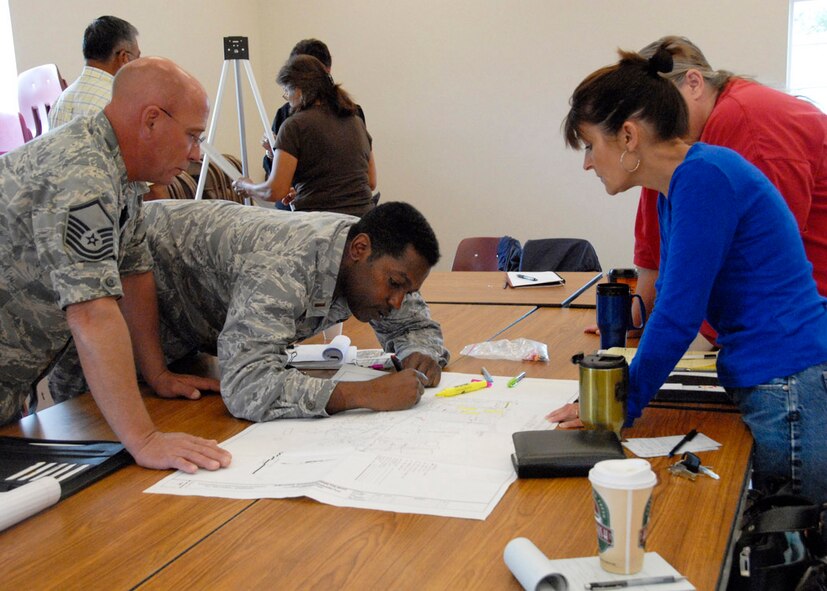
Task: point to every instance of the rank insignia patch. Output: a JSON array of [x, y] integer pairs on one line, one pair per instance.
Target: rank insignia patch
[[89, 232]]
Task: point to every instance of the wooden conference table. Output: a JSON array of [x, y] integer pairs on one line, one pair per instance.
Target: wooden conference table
[[487, 287], [113, 536]]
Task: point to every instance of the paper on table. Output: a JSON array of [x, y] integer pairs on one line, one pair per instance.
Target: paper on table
[[653, 447], [541, 278], [444, 456], [691, 360], [535, 572], [24, 501], [357, 373]]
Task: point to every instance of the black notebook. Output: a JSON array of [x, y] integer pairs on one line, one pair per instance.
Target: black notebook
[[556, 453], [75, 464]]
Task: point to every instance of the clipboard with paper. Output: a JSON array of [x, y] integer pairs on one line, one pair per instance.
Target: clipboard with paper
[[328, 356]]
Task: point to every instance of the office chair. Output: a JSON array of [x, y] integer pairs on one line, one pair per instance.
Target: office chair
[[37, 90], [559, 254], [11, 132], [476, 254]]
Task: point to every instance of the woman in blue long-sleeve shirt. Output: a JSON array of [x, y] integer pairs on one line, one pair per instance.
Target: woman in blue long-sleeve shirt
[[730, 252]]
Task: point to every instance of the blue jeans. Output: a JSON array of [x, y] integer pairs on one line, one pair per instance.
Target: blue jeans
[[788, 420]]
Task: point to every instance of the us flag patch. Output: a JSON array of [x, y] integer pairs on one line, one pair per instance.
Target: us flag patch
[[89, 232]]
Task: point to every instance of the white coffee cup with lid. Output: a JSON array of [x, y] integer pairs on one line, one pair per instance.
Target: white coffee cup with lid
[[622, 492]]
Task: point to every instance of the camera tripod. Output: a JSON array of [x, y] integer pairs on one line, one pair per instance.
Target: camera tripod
[[236, 52]]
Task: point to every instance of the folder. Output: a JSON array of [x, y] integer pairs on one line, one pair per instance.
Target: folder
[[74, 464]]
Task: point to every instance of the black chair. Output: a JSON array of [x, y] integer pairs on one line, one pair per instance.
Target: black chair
[[559, 254]]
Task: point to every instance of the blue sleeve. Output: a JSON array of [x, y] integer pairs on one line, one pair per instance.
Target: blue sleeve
[[698, 221]]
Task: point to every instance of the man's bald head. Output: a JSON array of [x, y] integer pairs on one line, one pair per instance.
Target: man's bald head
[[157, 111], [154, 80]]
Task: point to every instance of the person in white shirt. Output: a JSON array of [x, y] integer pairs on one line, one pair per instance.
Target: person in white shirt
[[108, 43]]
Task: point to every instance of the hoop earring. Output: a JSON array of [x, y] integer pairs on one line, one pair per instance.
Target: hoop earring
[[623, 155]]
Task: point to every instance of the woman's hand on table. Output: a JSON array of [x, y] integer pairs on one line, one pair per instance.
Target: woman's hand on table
[[568, 416]]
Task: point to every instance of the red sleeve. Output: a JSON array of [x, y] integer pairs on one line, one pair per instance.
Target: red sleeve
[[647, 231]]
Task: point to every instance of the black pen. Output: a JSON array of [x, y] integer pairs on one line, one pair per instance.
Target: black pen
[[635, 582], [397, 365], [686, 439]]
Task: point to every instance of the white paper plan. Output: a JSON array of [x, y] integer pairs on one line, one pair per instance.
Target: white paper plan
[[446, 456]]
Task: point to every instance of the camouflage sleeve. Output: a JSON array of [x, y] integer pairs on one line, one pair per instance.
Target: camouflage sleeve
[[412, 330], [255, 383], [76, 237]]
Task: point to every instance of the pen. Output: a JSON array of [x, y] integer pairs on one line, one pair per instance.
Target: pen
[[526, 277], [487, 376], [635, 582], [397, 365], [567, 302], [462, 389], [686, 439], [516, 379]]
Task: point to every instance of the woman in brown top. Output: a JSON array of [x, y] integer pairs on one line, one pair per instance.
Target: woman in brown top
[[323, 159]]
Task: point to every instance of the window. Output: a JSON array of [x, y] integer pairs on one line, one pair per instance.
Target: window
[[807, 76], [8, 65]]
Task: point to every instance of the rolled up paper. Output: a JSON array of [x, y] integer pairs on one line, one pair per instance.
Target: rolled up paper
[[531, 567], [24, 501], [221, 162], [337, 349]]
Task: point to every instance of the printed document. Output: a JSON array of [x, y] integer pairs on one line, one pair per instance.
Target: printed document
[[446, 456]]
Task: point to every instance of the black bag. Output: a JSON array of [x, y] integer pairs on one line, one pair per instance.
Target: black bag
[[780, 547]]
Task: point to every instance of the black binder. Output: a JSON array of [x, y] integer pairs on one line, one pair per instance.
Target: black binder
[[562, 453], [75, 464]]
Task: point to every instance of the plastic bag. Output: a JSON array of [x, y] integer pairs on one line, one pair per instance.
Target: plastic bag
[[516, 350]]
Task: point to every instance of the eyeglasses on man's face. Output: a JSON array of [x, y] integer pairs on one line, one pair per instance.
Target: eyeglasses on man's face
[[195, 140]]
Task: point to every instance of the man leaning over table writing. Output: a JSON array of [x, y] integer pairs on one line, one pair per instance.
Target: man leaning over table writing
[[246, 282]]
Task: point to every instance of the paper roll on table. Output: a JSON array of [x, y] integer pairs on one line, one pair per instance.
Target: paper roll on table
[[24, 501], [531, 567]]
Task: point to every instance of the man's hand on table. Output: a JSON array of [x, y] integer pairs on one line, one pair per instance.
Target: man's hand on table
[[395, 391], [179, 451], [178, 385]]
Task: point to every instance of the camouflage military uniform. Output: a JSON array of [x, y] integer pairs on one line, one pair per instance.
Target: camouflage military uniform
[[244, 282], [70, 224]]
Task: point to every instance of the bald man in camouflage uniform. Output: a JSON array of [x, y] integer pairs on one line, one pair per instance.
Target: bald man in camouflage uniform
[[73, 254], [245, 282]]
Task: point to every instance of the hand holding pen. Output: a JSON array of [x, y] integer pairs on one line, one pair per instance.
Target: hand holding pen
[[397, 365]]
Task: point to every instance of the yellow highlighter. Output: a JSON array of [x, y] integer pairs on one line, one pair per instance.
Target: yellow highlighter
[[462, 389]]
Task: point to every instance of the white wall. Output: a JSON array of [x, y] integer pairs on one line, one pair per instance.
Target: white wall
[[189, 32], [464, 98]]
